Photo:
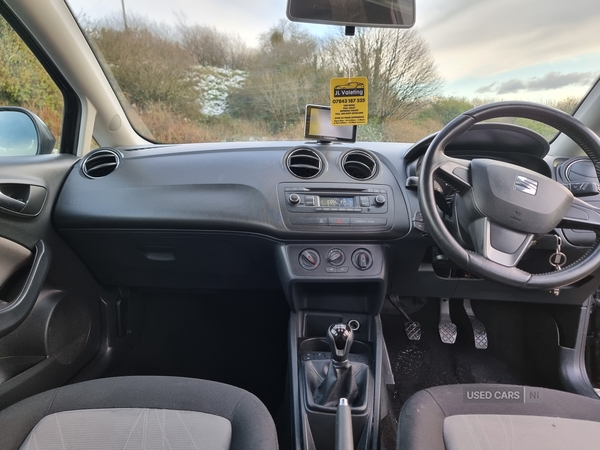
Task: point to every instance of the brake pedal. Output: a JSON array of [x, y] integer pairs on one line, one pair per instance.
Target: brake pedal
[[446, 327], [411, 328], [479, 331]]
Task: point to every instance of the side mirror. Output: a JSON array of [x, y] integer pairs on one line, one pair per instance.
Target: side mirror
[[23, 133]]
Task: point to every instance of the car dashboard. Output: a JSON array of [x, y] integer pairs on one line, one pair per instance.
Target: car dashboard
[[336, 225]]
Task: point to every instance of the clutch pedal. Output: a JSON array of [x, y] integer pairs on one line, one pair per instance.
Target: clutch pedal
[[479, 331], [446, 327], [411, 328]]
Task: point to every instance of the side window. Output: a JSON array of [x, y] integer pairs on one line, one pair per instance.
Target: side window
[[25, 83]]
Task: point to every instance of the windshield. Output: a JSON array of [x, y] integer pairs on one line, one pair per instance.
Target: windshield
[[240, 71]]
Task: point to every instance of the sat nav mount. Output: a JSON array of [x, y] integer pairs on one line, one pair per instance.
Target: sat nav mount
[[317, 125]]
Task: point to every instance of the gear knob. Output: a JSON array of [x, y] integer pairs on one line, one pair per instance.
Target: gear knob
[[340, 338]]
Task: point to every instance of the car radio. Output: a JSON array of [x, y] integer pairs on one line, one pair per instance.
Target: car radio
[[307, 200], [335, 205]]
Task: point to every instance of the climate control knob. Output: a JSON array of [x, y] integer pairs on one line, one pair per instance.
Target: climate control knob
[[309, 259], [362, 259], [336, 257]]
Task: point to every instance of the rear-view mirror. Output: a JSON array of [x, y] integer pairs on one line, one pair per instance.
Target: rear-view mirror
[[23, 133], [356, 13]]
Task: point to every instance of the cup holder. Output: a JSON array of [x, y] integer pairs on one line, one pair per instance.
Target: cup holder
[[320, 345]]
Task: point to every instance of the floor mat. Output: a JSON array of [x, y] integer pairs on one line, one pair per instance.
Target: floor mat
[[238, 338]]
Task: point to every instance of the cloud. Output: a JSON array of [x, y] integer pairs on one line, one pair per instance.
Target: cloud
[[552, 80], [475, 38]]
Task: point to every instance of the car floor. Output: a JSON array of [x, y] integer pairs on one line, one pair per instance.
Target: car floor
[[416, 365], [240, 338], [234, 337]]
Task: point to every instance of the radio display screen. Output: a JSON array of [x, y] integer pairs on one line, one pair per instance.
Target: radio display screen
[[336, 201]]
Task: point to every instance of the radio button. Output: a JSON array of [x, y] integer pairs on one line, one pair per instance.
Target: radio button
[[326, 209], [318, 208], [309, 200], [339, 221], [364, 201], [368, 222]]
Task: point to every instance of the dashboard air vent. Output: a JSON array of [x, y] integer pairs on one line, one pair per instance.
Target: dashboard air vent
[[359, 165], [100, 163], [304, 163]]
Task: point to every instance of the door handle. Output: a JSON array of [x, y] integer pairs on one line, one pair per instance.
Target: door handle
[[12, 204], [22, 198]]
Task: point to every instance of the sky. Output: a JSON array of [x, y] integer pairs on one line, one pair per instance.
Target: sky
[[538, 50]]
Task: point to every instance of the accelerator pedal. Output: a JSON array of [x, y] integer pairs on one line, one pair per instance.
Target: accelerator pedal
[[479, 331], [446, 327]]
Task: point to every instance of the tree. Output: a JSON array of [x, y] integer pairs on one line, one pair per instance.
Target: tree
[[150, 67], [397, 63], [445, 109], [24, 81], [210, 47], [283, 77]]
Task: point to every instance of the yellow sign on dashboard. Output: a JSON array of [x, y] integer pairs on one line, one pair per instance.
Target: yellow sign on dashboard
[[349, 101]]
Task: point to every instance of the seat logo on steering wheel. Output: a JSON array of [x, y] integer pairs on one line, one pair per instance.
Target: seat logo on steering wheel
[[526, 185]]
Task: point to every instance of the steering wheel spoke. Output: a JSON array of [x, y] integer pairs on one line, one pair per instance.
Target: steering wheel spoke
[[455, 171], [581, 216], [498, 243]]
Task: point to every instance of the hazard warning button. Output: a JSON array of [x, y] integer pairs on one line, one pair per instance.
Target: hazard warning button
[[339, 220]]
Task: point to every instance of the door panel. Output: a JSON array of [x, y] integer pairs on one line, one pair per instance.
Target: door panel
[[12, 257], [49, 302]]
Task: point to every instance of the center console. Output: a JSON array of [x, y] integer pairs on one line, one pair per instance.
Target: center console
[[336, 280], [323, 374]]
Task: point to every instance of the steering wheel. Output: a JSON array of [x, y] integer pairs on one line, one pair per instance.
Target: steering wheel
[[501, 207]]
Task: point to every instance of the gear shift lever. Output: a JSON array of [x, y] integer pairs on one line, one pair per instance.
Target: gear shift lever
[[339, 380], [340, 338]]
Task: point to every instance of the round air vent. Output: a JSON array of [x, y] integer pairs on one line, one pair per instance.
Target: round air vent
[[304, 163], [100, 163], [359, 165]]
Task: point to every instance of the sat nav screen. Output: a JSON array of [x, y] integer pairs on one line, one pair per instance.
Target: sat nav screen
[[318, 126], [336, 201]]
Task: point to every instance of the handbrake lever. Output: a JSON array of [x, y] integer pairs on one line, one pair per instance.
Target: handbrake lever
[[344, 439]]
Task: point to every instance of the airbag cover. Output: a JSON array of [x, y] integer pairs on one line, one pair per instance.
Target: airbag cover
[[518, 198]]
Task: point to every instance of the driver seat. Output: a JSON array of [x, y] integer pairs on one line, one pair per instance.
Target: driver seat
[[139, 412], [498, 417]]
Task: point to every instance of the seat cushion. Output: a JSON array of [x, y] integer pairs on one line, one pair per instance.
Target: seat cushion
[[130, 429], [502, 432], [215, 414], [421, 422]]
